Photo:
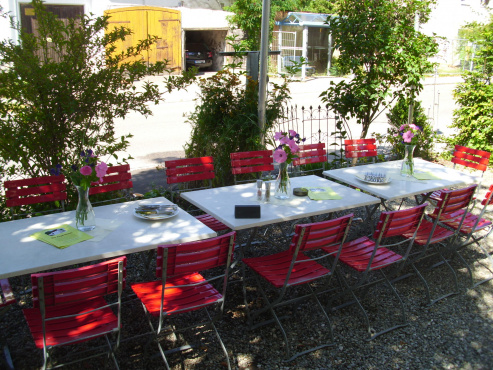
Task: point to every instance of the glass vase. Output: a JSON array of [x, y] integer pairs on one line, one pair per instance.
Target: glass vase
[[283, 185], [407, 167], [85, 219]]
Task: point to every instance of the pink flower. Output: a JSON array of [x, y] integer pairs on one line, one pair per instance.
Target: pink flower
[[292, 133], [86, 170], [293, 146], [414, 127], [402, 127], [101, 170], [396, 135], [407, 136], [284, 140], [278, 135], [280, 155]]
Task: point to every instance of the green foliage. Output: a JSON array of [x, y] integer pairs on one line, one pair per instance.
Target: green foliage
[[387, 57], [60, 92], [226, 120], [474, 117], [398, 116]]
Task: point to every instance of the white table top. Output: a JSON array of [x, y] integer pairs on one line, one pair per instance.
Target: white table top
[[398, 187], [220, 202], [22, 254]]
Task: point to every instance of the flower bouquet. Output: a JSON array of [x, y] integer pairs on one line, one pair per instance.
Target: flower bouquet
[[410, 134], [82, 174], [284, 154]]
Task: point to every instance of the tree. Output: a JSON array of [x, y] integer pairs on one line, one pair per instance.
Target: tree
[[387, 57], [62, 89], [473, 120]]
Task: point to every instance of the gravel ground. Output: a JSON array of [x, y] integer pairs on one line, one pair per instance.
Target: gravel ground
[[455, 333]]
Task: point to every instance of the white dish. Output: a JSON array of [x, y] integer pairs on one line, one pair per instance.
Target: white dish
[[155, 217], [387, 180]]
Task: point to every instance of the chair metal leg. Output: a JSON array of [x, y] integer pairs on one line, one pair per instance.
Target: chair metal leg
[[8, 358]]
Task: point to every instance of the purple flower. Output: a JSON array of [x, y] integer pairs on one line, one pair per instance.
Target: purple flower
[[101, 170], [407, 136], [74, 167], [278, 135], [294, 148], [280, 156], [86, 170]]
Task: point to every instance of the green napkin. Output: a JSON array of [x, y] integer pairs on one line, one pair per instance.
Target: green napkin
[[426, 176], [322, 193]]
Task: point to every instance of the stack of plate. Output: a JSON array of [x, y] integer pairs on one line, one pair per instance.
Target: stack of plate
[[156, 211]]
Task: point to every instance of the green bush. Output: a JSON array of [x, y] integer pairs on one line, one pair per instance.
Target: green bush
[[398, 116], [226, 120], [62, 89]]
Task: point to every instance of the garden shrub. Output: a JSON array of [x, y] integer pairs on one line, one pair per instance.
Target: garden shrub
[[398, 116], [225, 120]]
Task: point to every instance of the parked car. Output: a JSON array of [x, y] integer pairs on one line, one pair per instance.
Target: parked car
[[198, 54]]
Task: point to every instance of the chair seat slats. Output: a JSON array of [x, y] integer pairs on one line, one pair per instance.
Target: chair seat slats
[[275, 268], [177, 300], [65, 330]]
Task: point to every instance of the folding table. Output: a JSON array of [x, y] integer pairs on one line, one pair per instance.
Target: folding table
[[21, 254], [401, 187], [220, 203]]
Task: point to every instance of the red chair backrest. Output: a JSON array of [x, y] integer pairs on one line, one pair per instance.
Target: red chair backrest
[[453, 200], [395, 223], [472, 158], [249, 162], [35, 190], [323, 234], [310, 153], [79, 284], [116, 178], [358, 148], [488, 198], [187, 258], [189, 169]]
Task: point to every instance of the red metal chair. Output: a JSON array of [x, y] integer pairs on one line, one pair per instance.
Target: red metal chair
[[182, 288], [27, 192], [193, 174], [434, 239], [7, 299], [365, 256], [295, 268], [360, 148], [118, 179], [467, 157], [70, 307], [254, 162], [310, 158], [472, 228]]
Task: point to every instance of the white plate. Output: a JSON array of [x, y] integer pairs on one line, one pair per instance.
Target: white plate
[[361, 178], [156, 217]]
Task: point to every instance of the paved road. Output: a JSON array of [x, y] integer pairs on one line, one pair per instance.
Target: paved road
[[163, 135]]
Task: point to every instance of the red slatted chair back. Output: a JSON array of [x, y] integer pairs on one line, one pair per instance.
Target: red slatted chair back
[[116, 178], [189, 258], [6, 296], [358, 148], [34, 191], [453, 200], [251, 162], [471, 158], [79, 284], [189, 169], [325, 234], [396, 223], [310, 153]]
